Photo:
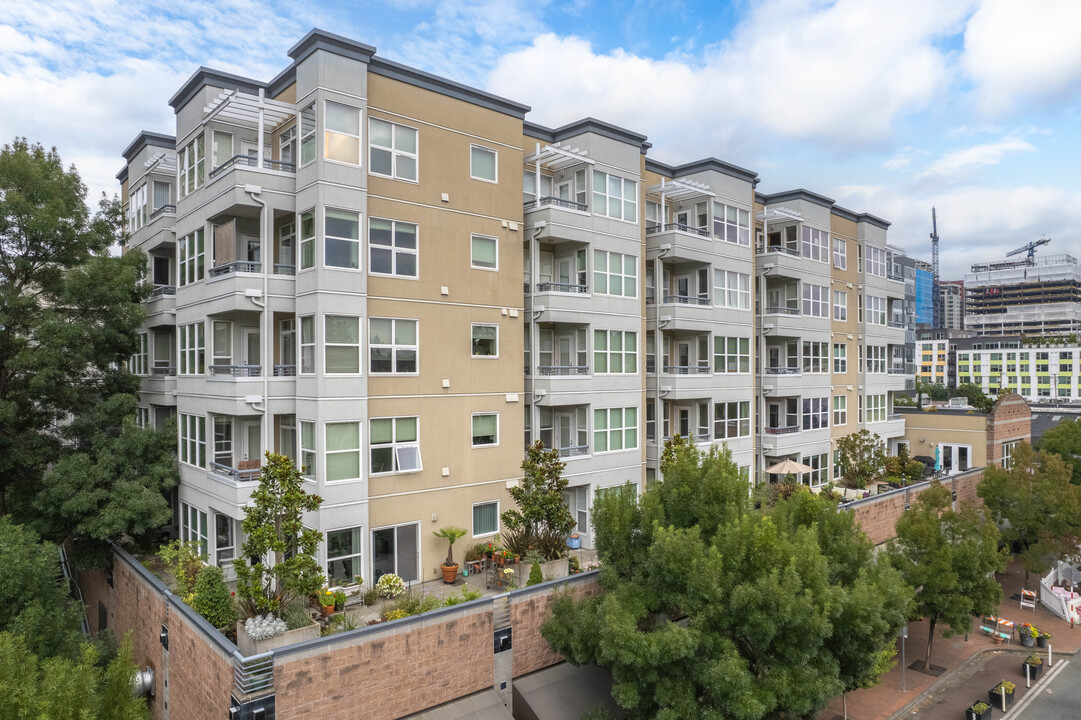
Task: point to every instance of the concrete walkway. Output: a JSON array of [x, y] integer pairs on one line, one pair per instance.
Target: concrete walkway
[[972, 666]]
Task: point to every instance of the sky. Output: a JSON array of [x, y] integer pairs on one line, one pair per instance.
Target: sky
[[887, 106]]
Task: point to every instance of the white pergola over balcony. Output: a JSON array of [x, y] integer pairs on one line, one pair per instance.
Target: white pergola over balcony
[[680, 189], [777, 214], [555, 158], [256, 111], [162, 162]]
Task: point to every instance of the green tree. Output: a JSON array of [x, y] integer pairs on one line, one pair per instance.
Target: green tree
[[69, 320], [284, 551], [1035, 505], [67, 688], [950, 557], [975, 396], [863, 458], [1064, 440], [541, 521], [212, 599], [710, 609]]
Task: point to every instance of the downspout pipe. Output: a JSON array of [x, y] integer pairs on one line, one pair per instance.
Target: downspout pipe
[[254, 192]]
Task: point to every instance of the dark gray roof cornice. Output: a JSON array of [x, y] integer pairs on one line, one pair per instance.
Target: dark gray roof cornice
[[317, 39], [282, 80], [145, 138], [872, 220], [458, 91], [705, 164], [206, 76], [122, 176], [587, 125], [798, 194], [844, 213]]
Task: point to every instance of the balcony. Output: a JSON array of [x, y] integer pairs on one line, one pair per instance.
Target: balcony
[[561, 370], [245, 371], [677, 227], [285, 370], [237, 266], [781, 430], [554, 287], [686, 300], [282, 269], [782, 371], [896, 277], [163, 210], [686, 369], [573, 451], [163, 291], [249, 473], [682, 243], [164, 371], [251, 161], [891, 426], [549, 201]]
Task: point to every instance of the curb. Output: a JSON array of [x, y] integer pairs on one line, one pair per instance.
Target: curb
[[914, 703]]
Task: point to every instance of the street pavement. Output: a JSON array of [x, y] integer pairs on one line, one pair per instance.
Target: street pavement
[[1058, 699], [973, 665]]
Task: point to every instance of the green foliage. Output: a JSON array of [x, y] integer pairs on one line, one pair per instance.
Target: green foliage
[[783, 611], [535, 575], [1036, 504], [296, 616], [863, 458], [541, 522], [213, 600], [975, 396], [286, 567], [475, 551], [184, 560], [33, 602], [950, 557], [451, 534], [70, 466], [63, 688], [1064, 440]]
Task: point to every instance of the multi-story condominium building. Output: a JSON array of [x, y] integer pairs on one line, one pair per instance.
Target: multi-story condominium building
[[933, 361], [1040, 373], [1038, 296], [336, 256], [951, 295]]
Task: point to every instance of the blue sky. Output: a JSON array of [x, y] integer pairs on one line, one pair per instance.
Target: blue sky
[[888, 106]]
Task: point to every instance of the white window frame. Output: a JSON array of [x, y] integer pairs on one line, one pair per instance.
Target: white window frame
[[722, 419], [609, 353], [603, 198], [308, 138], [191, 257], [140, 361], [815, 300], [473, 518], [876, 261], [840, 359], [736, 230], [473, 431], [357, 345], [395, 153], [840, 305], [357, 530], [195, 535], [840, 410], [495, 244], [724, 356], [815, 409], [472, 339], [815, 244], [1007, 452], [816, 354], [608, 431], [495, 163], [394, 346], [394, 249], [876, 310], [877, 410], [191, 432], [309, 462], [327, 132], [358, 450], [840, 254], [607, 274], [395, 446], [727, 296], [306, 244], [191, 346], [356, 242], [191, 167]]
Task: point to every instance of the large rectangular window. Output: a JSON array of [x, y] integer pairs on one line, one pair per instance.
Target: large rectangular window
[[840, 305], [615, 197], [190, 166], [816, 413], [392, 248], [342, 137], [816, 244], [341, 239], [307, 134], [731, 355], [395, 445], [840, 409], [876, 261], [140, 360], [615, 429], [341, 344], [840, 358], [816, 300], [192, 349], [193, 527], [483, 163], [307, 240], [392, 150], [485, 429], [732, 289], [191, 251], [307, 344], [342, 451], [192, 430], [876, 358], [819, 465], [876, 408], [876, 310], [731, 420], [731, 224], [137, 209], [615, 352], [392, 344], [484, 252], [344, 565], [816, 357], [840, 254], [307, 449], [486, 518], [484, 341], [615, 274]]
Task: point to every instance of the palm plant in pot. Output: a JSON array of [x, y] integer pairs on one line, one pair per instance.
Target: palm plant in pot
[[449, 567]]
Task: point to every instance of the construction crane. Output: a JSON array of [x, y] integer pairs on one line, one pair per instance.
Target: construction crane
[[1030, 249], [936, 301]]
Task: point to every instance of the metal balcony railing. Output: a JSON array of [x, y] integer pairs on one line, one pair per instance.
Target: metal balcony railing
[[244, 160], [548, 200], [236, 266], [785, 430], [163, 210], [561, 287], [896, 324], [778, 249], [234, 474], [687, 369], [686, 299], [255, 674], [563, 370], [163, 291], [780, 310], [782, 370], [682, 227], [236, 370], [573, 450], [895, 416], [282, 269], [895, 276], [166, 370], [285, 370]]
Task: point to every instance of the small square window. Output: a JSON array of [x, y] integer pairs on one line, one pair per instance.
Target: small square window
[[482, 163], [485, 341], [485, 430], [486, 518], [484, 252]]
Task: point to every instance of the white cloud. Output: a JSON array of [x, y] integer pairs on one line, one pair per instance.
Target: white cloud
[[1023, 50], [983, 155], [837, 73]]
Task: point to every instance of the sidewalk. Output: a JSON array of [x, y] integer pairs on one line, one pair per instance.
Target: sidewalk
[[972, 667]]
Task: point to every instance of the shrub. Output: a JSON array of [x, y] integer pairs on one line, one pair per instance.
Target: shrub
[[212, 598], [370, 596], [574, 565], [535, 576], [184, 561], [469, 594], [979, 706], [264, 627], [390, 586], [1004, 685], [296, 616]]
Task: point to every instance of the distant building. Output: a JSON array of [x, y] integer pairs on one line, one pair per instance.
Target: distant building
[[1037, 297], [925, 287], [952, 294], [1038, 372]]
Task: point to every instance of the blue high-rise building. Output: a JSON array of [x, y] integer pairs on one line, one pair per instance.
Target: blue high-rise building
[[925, 288]]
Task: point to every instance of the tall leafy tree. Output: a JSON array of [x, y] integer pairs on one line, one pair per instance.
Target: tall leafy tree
[[1064, 440], [541, 521], [711, 609], [1036, 506], [69, 319], [950, 557], [863, 458]]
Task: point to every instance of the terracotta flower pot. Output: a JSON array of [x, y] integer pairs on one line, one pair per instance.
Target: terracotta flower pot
[[450, 573], [327, 610]]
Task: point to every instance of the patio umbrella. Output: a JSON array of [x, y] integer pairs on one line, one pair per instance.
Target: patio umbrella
[[789, 466]]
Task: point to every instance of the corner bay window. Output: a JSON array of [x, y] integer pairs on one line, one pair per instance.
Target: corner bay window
[[615, 197], [341, 344], [342, 138], [342, 451]]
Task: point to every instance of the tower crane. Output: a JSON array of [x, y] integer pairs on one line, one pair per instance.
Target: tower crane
[[1030, 249]]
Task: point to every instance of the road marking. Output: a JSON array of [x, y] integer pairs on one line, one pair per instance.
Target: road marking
[[1017, 709]]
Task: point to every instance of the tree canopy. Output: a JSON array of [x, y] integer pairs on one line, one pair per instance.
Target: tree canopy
[[950, 557], [863, 458], [713, 609], [1064, 440], [541, 521]]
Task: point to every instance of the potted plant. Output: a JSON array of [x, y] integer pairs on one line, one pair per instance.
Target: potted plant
[[449, 567], [978, 710], [340, 598], [1042, 638], [1028, 634], [1035, 666], [326, 601], [994, 696]]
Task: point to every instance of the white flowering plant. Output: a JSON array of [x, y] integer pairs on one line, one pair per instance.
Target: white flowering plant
[[264, 627], [390, 586]]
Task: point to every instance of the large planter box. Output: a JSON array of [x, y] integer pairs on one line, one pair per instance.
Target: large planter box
[[971, 715], [1033, 670], [555, 569], [249, 647], [995, 698]]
